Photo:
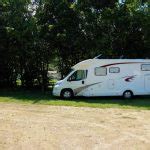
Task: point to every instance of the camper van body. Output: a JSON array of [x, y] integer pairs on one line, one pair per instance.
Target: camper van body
[[106, 77]]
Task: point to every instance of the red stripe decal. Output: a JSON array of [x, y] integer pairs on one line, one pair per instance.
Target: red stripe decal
[[121, 63]]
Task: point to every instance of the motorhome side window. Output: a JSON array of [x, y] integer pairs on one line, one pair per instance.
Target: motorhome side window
[[145, 67], [114, 70], [100, 71], [78, 75]]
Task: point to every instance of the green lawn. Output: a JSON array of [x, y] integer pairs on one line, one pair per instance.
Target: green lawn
[[28, 97]]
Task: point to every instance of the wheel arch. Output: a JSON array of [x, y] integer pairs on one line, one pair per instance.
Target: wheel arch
[[128, 94], [69, 89], [129, 90]]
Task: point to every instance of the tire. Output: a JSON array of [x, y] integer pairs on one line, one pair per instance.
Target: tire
[[128, 94], [67, 94]]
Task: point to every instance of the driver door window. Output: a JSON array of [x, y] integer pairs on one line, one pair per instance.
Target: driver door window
[[78, 75]]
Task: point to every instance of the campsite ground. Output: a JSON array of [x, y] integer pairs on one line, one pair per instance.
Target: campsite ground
[[32, 120], [42, 127]]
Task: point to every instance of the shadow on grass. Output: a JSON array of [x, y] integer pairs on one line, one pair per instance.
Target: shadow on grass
[[25, 95], [37, 96], [140, 101]]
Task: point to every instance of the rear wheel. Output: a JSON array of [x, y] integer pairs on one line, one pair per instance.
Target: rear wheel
[[67, 94], [128, 94]]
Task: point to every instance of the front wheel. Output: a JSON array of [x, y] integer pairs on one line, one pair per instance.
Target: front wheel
[[67, 94], [128, 94]]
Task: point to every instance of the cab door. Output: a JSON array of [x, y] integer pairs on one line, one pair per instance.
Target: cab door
[[77, 82]]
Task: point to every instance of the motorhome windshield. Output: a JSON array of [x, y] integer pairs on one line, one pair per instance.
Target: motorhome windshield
[[78, 75], [71, 70]]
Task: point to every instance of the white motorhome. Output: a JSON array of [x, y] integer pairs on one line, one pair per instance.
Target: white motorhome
[[106, 77]]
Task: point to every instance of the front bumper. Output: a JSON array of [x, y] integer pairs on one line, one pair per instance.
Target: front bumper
[[56, 91]]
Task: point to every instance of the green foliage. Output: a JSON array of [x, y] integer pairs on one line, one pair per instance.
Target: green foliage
[[34, 34]]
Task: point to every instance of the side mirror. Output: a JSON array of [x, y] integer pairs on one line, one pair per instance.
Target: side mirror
[[83, 82]]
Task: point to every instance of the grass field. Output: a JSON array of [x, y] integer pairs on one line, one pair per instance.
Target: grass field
[[34, 97]]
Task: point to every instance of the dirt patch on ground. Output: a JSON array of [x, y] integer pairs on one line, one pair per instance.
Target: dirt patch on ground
[[38, 127]]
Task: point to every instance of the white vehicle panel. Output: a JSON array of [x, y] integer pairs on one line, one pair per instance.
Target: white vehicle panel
[[120, 75]]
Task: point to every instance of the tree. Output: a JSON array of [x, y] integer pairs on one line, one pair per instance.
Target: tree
[[3, 37], [34, 33], [8, 62], [58, 23]]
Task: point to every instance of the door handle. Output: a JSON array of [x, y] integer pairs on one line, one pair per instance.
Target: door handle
[[82, 82]]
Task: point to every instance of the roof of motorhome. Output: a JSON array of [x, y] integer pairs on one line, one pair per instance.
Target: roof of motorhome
[[107, 62]]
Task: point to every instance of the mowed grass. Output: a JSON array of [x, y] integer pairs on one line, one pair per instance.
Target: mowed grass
[[36, 97]]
